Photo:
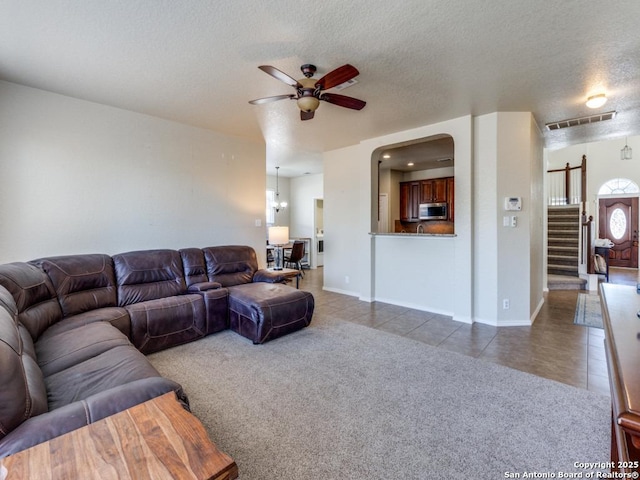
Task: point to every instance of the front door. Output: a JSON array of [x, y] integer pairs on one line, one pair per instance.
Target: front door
[[619, 223]]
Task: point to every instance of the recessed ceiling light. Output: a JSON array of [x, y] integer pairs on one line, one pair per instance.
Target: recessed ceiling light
[[386, 155], [410, 164], [596, 101]]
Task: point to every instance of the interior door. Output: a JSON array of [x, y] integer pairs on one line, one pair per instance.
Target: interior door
[[619, 223]]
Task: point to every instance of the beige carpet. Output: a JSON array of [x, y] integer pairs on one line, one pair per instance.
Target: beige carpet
[[342, 401]]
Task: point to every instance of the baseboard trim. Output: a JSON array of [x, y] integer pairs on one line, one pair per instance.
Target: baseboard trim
[[506, 323], [414, 306], [537, 311], [339, 290]]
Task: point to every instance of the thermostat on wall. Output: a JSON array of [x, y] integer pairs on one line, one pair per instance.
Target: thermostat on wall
[[513, 203]]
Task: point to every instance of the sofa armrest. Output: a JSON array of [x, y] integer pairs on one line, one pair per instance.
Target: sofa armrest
[[268, 276], [44, 427], [203, 287]]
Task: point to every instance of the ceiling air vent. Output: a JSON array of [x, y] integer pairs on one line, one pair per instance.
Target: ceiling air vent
[[573, 122], [346, 84]]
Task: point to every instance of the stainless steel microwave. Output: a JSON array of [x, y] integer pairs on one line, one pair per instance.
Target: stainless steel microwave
[[433, 211]]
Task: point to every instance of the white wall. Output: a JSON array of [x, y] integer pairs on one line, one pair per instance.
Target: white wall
[[467, 275], [416, 272], [426, 174], [390, 185], [347, 216], [304, 190], [537, 221], [603, 164], [78, 177], [373, 264], [508, 260], [485, 231], [516, 166], [283, 185]]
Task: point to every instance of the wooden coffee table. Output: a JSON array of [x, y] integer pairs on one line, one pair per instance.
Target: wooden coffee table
[[157, 439]]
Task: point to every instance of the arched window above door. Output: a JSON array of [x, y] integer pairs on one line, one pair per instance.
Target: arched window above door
[[619, 186]]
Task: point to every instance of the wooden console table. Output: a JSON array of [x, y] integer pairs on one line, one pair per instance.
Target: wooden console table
[[620, 303], [157, 439]]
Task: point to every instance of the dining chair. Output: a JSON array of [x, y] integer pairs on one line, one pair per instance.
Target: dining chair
[[296, 255], [270, 258]]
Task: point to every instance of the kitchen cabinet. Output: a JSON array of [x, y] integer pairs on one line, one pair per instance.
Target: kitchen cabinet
[[409, 201], [450, 198], [415, 192], [433, 191]]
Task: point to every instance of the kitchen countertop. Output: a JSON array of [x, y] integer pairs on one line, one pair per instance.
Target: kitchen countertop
[[411, 234]]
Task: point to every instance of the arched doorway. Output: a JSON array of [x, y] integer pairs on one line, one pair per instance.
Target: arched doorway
[[618, 220]]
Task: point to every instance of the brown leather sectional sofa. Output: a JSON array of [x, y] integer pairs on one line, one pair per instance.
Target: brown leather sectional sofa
[[74, 329]]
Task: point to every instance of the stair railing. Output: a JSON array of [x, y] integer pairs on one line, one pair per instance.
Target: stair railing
[[568, 186], [587, 250]]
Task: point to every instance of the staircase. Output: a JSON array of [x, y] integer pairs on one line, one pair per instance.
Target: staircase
[[563, 229]]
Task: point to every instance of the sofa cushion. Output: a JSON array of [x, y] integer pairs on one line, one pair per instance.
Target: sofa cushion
[[195, 267], [231, 265], [162, 323], [78, 414], [148, 275], [116, 316], [64, 350], [112, 368], [22, 391], [8, 302], [82, 282], [34, 296]]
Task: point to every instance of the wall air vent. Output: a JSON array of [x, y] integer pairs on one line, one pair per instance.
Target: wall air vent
[[573, 122]]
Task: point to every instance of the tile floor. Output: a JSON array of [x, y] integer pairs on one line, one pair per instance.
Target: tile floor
[[553, 347]]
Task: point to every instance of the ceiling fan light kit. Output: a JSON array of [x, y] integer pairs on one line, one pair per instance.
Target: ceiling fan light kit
[[309, 91]]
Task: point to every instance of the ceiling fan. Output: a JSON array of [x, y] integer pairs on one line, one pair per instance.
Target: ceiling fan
[[310, 91]]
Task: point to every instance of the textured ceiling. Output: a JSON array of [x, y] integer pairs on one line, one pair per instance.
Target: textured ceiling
[[420, 62]]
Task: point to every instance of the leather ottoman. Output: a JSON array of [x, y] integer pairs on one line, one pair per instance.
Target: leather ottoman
[[264, 311]]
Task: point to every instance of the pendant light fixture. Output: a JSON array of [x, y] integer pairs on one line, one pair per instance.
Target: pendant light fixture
[[278, 205], [625, 153]]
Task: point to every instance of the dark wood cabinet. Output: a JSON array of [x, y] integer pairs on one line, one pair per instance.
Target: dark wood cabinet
[[409, 201], [450, 198], [435, 190]]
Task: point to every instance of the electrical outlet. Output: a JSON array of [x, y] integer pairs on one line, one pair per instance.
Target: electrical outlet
[[505, 304], [346, 279]]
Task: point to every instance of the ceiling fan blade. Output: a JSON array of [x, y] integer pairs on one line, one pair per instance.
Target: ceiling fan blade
[[306, 115], [337, 76], [260, 101], [343, 101], [283, 77]]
